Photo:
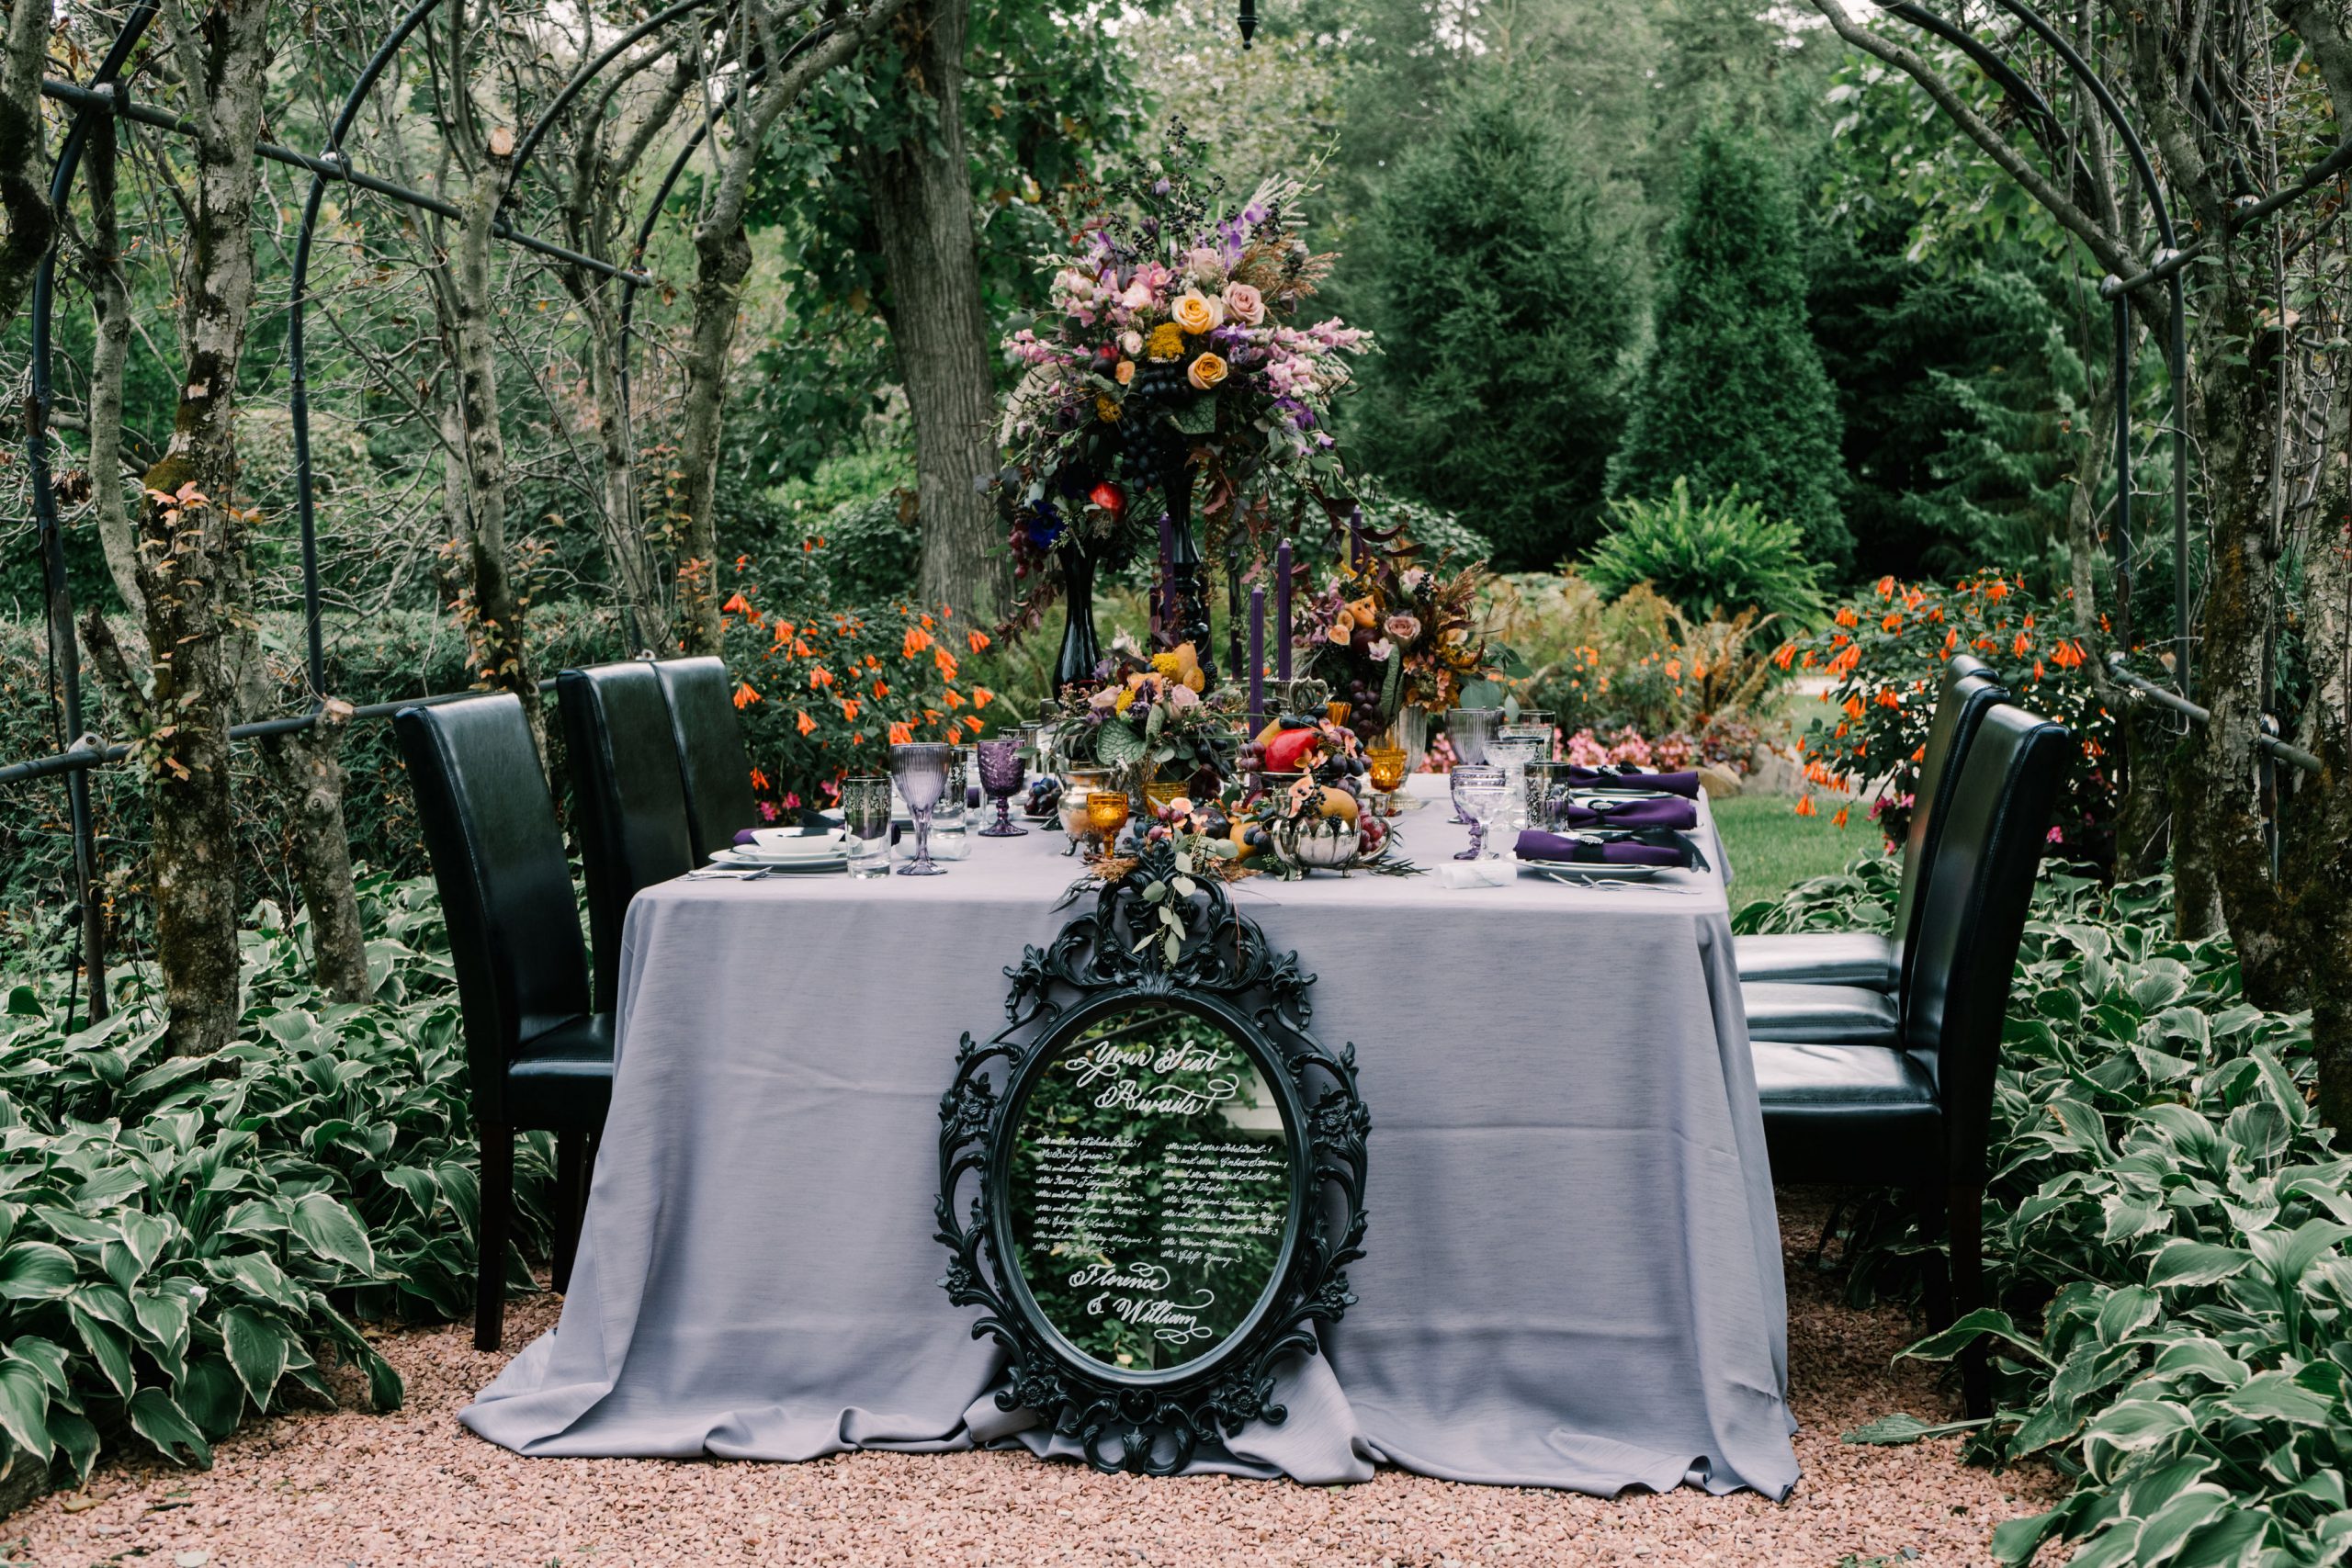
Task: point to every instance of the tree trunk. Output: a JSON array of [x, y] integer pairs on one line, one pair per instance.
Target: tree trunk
[[921, 193], [2317, 826], [307, 768], [24, 158], [636, 580], [501, 656], [192, 568], [2219, 851], [722, 261], [110, 329]]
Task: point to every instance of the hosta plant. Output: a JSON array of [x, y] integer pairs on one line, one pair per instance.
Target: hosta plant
[[2165, 1238], [186, 1241]]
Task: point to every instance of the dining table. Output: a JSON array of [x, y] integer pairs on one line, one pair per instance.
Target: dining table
[[1572, 1271]]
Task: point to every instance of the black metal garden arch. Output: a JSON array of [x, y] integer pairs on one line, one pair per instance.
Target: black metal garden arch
[[105, 98]]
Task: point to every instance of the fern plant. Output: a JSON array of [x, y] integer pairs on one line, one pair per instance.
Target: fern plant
[[1721, 555]]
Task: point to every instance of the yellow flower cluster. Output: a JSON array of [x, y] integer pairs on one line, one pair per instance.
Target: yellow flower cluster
[[1167, 342]]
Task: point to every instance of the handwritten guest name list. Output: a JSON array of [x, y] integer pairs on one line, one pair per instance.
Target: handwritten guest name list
[[1147, 1205]]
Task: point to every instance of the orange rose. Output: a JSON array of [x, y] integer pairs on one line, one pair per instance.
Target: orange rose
[[1206, 372]]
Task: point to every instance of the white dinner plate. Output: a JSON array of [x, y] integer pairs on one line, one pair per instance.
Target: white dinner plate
[[1589, 871], [737, 860]]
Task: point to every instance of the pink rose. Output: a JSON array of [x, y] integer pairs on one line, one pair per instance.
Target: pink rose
[[1403, 628], [1245, 303]]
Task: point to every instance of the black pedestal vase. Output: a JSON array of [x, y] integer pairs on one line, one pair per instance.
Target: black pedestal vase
[[1082, 651], [1184, 615]]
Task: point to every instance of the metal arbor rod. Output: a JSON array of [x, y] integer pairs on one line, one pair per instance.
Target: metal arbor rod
[[298, 380], [58, 589], [2177, 359], [329, 168]]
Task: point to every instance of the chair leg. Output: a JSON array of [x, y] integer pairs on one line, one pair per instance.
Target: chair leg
[[571, 1202], [1932, 1228], [1967, 1229], [492, 1235]]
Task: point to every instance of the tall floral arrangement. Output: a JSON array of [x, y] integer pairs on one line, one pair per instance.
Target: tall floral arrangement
[[1391, 632], [1178, 343]]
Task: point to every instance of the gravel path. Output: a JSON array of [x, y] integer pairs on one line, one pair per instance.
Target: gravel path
[[415, 1490]]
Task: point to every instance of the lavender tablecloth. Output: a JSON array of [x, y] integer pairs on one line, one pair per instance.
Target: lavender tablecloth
[[1574, 1269]]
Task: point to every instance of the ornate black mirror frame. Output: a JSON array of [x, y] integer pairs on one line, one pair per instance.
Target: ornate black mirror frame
[[1161, 936]]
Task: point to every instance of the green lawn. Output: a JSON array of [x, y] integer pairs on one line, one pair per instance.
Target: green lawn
[[1772, 848]]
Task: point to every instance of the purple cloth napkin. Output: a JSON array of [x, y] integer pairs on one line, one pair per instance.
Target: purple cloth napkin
[[1601, 813], [744, 836], [1684, 784], [1537, 845]]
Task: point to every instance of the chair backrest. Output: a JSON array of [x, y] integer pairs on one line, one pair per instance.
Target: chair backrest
[[630, 805], [1967, 690], [1996, 825], [505, 889], [711, 759]]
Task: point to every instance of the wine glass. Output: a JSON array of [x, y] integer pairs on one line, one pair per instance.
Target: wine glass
[[1478, 794], [919, 770], [1387, 775], [1512, 750], [1002, 772], [1469, 730], [1106, 813], [1548, 785]]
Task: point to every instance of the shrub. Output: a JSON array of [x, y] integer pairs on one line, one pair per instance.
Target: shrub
[[1638, 664], [826, 691], [181, 1238], [1733, 392], [1886, 651], [2163, 1245], [1501, 282], [1722, 555]]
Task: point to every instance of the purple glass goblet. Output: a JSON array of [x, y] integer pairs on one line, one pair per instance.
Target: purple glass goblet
[[1002, 772]]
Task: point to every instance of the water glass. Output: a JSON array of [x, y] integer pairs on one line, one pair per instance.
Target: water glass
[[1002, 772], [866, 823], [920, 771], [1549, 785], [1513, 750], [952, 817], [1478, 794]]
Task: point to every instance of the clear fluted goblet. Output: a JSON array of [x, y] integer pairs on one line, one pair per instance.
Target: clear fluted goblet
[[1478, 794], [1468, 730], [1002, 772], [920, 771]]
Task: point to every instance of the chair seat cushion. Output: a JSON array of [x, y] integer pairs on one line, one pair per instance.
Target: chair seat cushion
[[1823, 1015], [1848, 1113], [1818, 958], [561, 1078]]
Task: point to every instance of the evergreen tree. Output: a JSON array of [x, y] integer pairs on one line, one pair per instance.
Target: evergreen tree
[[1733, 392], [1497, 273]]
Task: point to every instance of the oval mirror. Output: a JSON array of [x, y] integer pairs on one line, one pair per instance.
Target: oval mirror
[[1150, 1188]]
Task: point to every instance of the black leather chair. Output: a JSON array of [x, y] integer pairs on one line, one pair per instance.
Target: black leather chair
[[1873, 958], [628, 799], [716, 769], [1842, 988], [1919, 1116], [538, 1058]]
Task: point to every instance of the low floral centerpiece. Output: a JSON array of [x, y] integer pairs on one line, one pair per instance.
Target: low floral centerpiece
[[1144, 717], [1304, 810], [1176, 346]]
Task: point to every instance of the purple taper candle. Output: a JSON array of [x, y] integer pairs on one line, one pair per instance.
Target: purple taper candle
[[1257, 659], [1281, 611]]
